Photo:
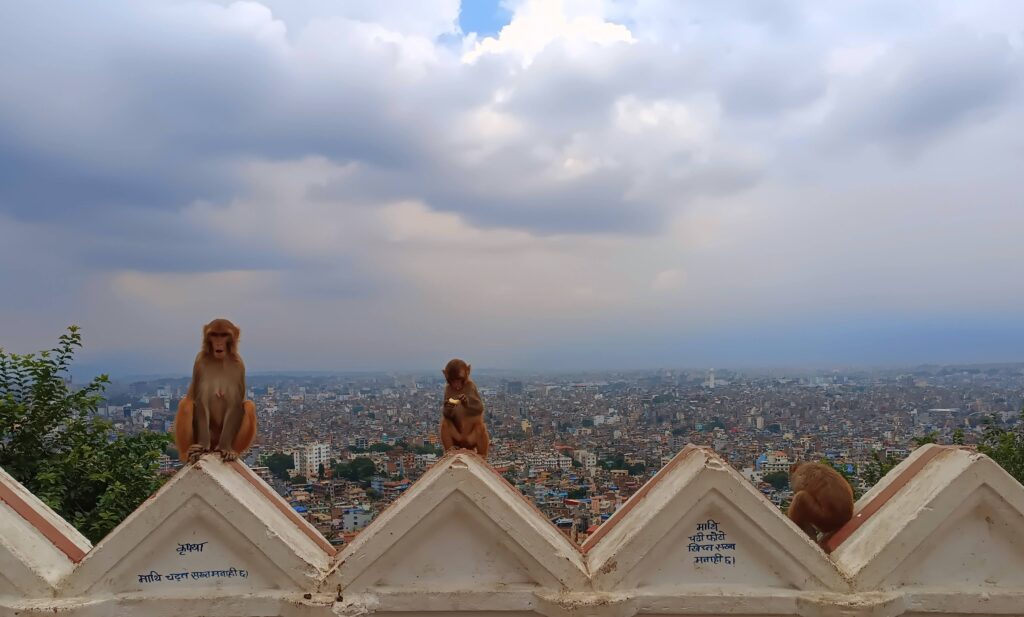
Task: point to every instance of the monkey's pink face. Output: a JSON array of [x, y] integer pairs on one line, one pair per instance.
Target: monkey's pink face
[[219, 343]]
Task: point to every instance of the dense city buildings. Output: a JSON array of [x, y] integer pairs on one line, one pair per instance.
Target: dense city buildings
[[341, 448]]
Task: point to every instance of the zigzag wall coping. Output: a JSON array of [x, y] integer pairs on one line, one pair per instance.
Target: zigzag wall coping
[[216, 525], [954, 523], [460, 507], [669, 537], [37, 546], [941, 534]]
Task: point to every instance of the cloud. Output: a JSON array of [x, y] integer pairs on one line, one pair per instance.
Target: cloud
[[362, 185], [913, 94], [536, 25], [668, 280]]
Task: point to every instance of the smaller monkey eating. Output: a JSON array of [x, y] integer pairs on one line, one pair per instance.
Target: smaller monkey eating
[[822, 499], [462, 415]]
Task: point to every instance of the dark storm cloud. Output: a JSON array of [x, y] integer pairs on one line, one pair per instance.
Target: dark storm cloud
[[176, 95], [917, 92], [170, 102]]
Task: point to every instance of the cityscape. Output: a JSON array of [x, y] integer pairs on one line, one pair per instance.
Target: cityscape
[[341, 448], [551, 308]]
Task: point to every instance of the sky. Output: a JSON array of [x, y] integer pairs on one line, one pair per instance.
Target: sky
[[527, 184]]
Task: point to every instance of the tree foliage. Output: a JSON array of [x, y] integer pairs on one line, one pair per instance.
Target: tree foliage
[[778, 479], [359, 469], [52, 442], [878, 466], [932, 437], [279, 463], [618, 461], [1006, 447]]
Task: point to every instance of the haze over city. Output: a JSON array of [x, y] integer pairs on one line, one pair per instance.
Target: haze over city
[[534, 184]]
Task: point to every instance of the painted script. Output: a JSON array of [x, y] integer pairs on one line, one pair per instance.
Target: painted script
[[709, 542]]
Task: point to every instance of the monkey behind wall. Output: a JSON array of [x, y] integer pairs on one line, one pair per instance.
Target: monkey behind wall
[[462, 417], [214, 414], [822, 499]]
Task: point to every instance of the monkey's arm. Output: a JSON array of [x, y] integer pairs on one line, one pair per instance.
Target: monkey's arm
[[447, 408], [193, 386], [472, 402], [233, 416], [201, 414]]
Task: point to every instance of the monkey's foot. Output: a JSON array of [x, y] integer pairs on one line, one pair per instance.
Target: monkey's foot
[[194, 452], [228, 455]]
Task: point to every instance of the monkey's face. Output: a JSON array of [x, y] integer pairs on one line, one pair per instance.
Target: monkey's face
[[456, 373], [456, 379], [219, 342], [220, 337]]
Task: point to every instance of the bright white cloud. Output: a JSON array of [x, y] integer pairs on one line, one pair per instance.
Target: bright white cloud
[[539, 23]]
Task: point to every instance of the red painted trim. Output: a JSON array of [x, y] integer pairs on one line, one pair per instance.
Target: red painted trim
[[883, 497], [37, 520], [637, 497], [285, 509], [529, 502]]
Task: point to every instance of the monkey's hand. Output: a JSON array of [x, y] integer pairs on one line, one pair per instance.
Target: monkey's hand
[[228, 455], [194, 452], [463, 398]]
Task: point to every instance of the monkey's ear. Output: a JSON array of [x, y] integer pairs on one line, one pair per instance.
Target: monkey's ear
[[236, 331], [469, 367], [444, 372]]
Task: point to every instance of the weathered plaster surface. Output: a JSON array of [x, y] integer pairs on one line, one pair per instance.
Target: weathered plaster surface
[[942, 534]]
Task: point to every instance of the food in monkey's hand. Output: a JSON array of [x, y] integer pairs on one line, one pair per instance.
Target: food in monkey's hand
[[453, 401]]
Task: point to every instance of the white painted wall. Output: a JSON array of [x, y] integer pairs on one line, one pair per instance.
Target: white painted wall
[[463, 542]]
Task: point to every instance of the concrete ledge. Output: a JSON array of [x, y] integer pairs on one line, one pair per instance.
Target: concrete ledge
[[698, 522], [460, 508], [38, 548], [215, 525], [942, 534], [956, 522]]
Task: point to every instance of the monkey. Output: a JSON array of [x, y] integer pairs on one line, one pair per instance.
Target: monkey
[[462, 421], [214, 414], [822, 499]]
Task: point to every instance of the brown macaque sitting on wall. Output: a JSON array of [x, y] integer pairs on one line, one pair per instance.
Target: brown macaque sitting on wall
[[822, 499], [462, 421], [214, 414]]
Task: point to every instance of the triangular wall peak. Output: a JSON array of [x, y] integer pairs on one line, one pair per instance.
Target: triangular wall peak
[[37, 547], [699, 525], [462, 532], [950, 520], [215, 528]]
